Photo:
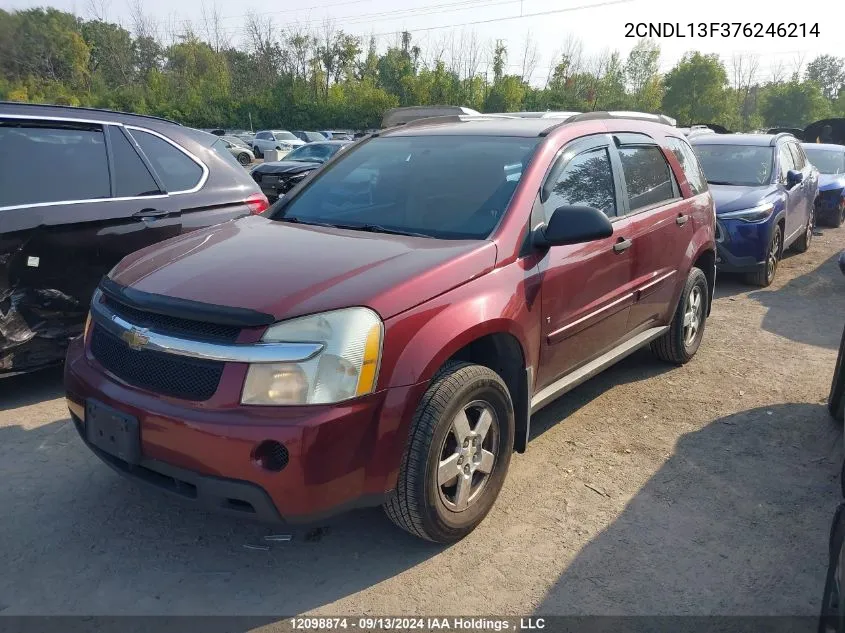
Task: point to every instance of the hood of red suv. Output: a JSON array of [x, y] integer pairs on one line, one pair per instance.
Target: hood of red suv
[[289, 270]]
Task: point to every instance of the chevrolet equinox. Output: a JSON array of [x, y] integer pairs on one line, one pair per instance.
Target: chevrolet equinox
[[384, 332]]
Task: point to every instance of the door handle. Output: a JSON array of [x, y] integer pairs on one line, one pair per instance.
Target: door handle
[[622, 245], [681, 219], [150, 213]]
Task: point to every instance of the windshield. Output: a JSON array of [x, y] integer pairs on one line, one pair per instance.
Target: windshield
[[313, 153], [827, 161], [450, 187], [740, 165], [281, 135]]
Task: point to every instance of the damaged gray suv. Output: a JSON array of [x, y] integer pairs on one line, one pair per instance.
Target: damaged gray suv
[[79, 190]]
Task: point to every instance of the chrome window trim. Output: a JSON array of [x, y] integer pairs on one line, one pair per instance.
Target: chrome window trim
[[222, 352], [34, 205]]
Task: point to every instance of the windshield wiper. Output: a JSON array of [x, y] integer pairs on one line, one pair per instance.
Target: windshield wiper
[[378, 228], [295, 220], [719, 182]]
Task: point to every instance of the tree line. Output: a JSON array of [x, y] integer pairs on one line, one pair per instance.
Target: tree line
[[323, 78]]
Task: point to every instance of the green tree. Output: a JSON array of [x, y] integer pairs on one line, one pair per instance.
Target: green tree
[[828, 72], [794, 104], [696, 89], [642, 77]]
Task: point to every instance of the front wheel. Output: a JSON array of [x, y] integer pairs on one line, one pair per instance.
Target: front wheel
[[457, 455], [244, 159], [683, 339]]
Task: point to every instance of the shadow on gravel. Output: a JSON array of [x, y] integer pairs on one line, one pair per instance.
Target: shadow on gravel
[[641, 365], [26, 389], [738, 517], [79, 539], [808, 309]]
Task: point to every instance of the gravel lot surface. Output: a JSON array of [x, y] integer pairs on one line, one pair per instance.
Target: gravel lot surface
[[706, 489]]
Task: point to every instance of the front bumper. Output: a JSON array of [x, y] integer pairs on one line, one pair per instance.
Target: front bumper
[[339, 456], [741, 246]]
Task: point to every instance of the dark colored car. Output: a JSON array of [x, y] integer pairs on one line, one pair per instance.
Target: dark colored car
[[309, 137], [830, 161], [277, 178], [765, 191], [79, 190], [384, 332]]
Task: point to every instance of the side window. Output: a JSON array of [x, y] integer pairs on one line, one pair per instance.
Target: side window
[[797, 155], [786, 161], [587, 180], [647, 176], [39, 163], [176, 170], [692, 168], [263, 136], [131, 176]]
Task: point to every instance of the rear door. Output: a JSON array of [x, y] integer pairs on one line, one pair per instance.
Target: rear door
[[659, 227], [69, 195], [587, 289]]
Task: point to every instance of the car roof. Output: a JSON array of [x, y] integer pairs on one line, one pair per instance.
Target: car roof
[[470, 126], [86, 114], [827, 146], [760, 140], [328, 142]]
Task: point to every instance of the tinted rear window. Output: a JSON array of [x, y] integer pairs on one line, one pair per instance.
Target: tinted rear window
[[177, 171], [45, 164], [450, 187], [741, 165], [647, 176]]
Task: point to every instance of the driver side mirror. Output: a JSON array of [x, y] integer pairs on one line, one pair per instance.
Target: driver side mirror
[[793, 177], [573, 225]]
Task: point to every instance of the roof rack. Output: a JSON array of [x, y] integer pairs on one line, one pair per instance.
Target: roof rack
[[547, 114], [456, 118], [779, 136], [404, 115], [638, 116], [88, 109]]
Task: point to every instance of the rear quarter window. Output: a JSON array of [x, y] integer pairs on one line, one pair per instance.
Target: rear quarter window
[[176, 169], [692, 168]]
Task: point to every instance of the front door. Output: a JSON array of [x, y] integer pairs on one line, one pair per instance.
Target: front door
[[795, 207], [587, 289]]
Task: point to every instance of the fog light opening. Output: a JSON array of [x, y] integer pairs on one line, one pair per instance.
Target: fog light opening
[[271, 455]]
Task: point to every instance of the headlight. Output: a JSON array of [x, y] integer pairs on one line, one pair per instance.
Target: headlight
[[347, 367], [754, 214]]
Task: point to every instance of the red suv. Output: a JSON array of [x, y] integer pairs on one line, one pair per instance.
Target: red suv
[[383, 333]]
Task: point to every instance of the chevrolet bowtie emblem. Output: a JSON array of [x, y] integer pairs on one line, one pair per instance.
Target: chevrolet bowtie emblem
[[135, 338]]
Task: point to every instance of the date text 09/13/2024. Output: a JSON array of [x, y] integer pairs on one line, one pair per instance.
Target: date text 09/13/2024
[[404, 623], [721, 29]]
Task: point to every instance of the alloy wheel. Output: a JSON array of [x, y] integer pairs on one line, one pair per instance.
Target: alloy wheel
[[772, 257], [811, 224], [468, 455], [692, 315]]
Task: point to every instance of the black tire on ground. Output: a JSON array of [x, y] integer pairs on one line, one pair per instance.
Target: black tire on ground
[[244, 159], [836, 397], [802, 244], [832, 617], [258, 153], [680, 343], [766, 275], [419, 503], [835, 218]]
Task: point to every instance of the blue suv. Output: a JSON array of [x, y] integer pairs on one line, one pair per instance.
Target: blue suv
[[765, 190]]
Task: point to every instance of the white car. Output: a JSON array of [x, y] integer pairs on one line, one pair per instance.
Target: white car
[[281, 140]]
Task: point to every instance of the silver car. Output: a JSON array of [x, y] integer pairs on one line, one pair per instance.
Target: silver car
[[281, 140], [238, 149]]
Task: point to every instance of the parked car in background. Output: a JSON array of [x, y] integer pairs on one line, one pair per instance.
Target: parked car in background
[[309, 137], [242, 153], [383, 333], [246, 137], [338, 135], [280, 140], [765, 191], [830, 161], [279, 177], [105, 184], [235, 140]]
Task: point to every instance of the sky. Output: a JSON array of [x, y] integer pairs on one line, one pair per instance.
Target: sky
[[599, 24]]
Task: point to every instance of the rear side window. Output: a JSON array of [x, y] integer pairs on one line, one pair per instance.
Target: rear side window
[[176, 170], [797, 156], [52, 164], [692, 169], [647, 175], [587, 180], [131, 176]]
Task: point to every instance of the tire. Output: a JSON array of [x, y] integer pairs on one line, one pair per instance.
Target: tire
[[836, 399], [425, 503], [244, 159], [832, 616], [836, 217], [686, 330], [802, 244], [766, 275], [257, 151]]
